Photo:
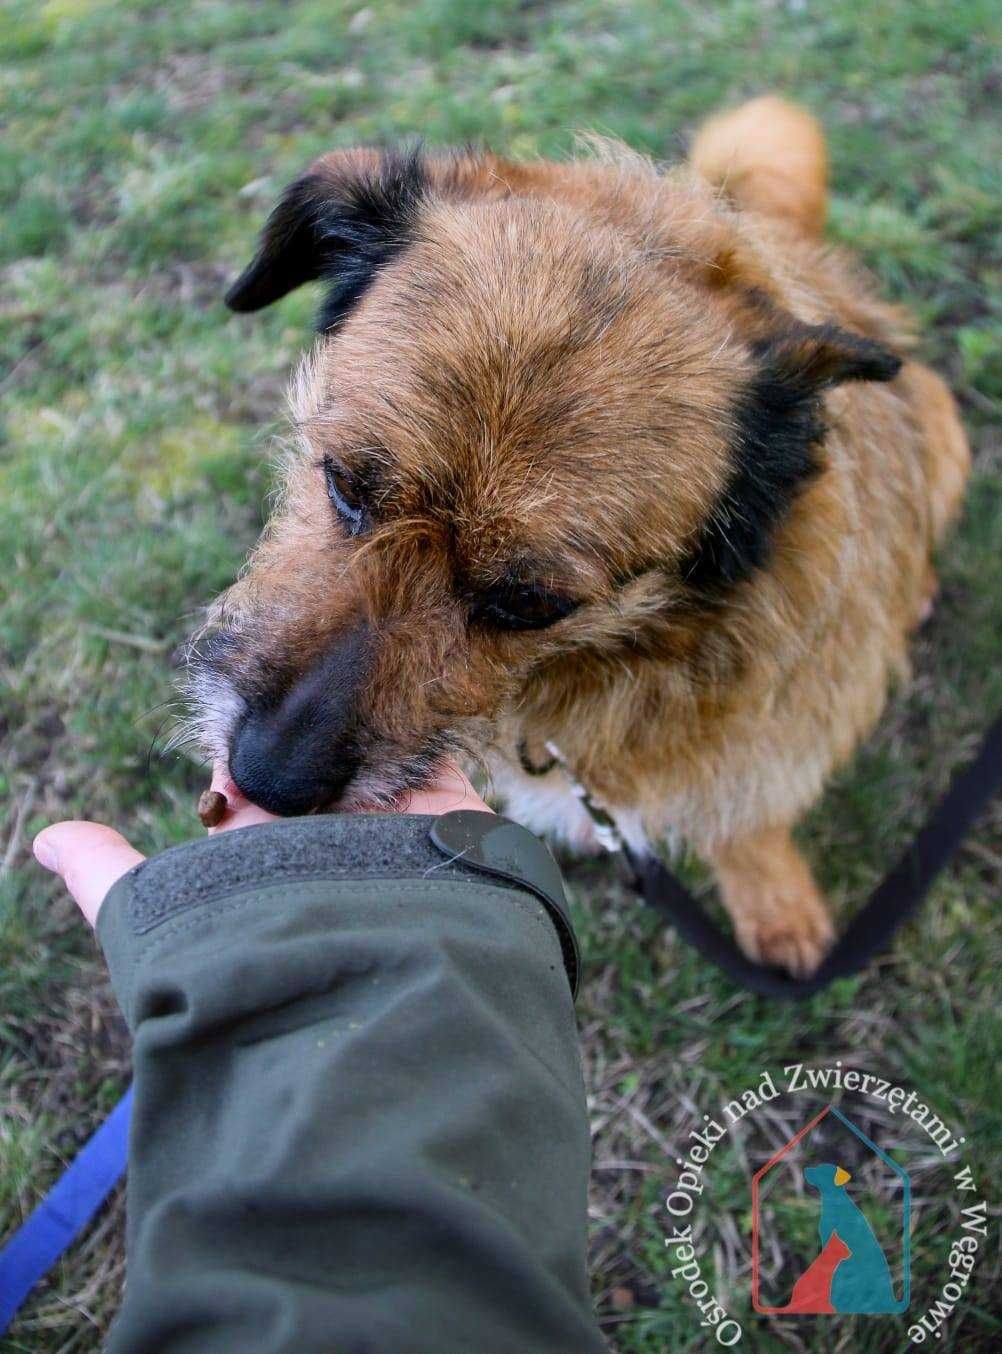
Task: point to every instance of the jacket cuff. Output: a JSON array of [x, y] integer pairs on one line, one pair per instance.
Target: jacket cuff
[[461, 846]]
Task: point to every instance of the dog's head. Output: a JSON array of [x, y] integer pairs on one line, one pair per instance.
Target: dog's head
[[532, 432]]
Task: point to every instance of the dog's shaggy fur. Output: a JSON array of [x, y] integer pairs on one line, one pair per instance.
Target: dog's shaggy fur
[[591, 453]]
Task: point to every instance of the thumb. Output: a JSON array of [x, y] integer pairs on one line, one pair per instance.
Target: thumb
[[89, 857]]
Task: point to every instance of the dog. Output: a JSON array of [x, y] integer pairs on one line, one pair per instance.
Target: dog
[[592, 454]]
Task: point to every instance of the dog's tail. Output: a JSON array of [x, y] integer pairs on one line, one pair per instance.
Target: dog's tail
[[769, 156]]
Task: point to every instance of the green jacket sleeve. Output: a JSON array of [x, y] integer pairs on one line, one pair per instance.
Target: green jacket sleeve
[[359, 1119]]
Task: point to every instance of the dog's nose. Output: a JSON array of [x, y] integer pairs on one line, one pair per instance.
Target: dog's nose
[[298, 753], [281, 776]]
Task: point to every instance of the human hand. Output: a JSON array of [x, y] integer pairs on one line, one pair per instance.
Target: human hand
[[90, 857]]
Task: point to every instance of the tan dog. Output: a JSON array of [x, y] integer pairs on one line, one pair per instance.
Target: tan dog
[[589, 453]]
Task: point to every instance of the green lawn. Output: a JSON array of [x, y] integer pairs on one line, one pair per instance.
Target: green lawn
[[143, 145]]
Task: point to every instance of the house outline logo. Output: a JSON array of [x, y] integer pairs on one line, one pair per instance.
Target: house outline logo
[[850, 1273]]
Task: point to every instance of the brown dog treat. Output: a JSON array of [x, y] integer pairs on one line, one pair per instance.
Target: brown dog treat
[[211, 807]]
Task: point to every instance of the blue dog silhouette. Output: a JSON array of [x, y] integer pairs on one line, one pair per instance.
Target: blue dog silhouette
[[862, 1282]]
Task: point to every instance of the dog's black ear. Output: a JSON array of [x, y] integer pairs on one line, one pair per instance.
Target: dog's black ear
[[340, 223], [778, 430], [802, 359]]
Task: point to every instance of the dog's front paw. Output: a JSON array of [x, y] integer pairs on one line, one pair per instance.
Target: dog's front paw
[[780, 916], [795, 937]]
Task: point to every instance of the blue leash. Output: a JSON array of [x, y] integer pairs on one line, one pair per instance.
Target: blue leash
[[65, 1211]]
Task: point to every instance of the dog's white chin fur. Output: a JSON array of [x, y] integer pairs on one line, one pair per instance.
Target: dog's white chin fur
[[217, 708]]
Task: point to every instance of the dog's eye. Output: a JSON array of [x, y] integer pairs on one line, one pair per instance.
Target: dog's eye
[[342, 495], [523, 607]]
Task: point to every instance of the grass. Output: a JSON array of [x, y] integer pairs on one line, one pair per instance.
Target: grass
[[143, 145]]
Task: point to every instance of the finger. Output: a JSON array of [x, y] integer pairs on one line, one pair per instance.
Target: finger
[[89, 858], [240, 812], [450, 790]]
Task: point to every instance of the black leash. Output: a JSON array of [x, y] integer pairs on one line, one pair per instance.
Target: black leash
[[894, 900]]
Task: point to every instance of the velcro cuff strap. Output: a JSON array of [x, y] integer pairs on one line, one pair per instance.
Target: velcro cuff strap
[[340, 846], [503, 849]]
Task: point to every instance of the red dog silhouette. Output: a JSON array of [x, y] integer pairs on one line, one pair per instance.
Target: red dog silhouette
[[812, 1293], [813, 1290]]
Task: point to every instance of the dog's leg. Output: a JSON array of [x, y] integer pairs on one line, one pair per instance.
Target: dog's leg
[[948, 455], [779, 914]]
